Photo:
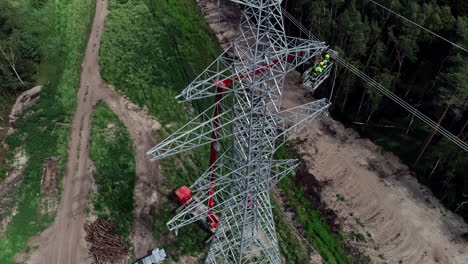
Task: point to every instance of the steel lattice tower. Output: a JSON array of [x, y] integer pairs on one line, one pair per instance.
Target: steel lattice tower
[[248, 90]]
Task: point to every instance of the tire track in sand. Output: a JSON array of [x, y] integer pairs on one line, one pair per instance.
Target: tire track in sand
[[64, 242]]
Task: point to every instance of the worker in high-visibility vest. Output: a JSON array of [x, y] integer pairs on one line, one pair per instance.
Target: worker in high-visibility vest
[[317, 71], [325, 62]]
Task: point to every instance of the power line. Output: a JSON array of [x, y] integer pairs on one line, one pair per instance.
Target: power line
[[421, 27], [382, 89]]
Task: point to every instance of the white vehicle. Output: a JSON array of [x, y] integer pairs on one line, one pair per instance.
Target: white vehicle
[[157, 256]]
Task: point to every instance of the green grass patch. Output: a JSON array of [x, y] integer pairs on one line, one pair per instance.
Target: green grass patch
[[114, 158], [290, 247], [359, 222], [340, 197], [159, 47], [65, 26], [329, 245], [357, 236]]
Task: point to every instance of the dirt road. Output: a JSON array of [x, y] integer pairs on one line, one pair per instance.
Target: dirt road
[[64, 242]]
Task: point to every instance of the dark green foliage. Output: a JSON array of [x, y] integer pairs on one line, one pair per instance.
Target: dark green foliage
[[357, 236], [114, 177], [21, 42], [423, 70], [340, 197], [63, 28]]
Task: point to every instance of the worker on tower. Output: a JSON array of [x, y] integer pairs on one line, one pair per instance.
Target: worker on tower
[[325, 63], [317, 71]]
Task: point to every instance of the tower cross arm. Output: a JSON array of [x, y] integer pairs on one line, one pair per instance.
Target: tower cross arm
[[293, 120], [196, 133]]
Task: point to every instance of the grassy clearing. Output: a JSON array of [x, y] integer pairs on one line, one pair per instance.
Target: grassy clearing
[[114, 177], [157, 52], [291, 249], [64, 34], [156, 45], [329, 245]]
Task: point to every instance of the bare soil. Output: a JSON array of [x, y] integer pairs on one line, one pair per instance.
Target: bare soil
[[64, 241], [9, 187], [400, 218]]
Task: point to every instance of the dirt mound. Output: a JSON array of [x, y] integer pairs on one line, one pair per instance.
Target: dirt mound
[[390, 216], [23, 102]]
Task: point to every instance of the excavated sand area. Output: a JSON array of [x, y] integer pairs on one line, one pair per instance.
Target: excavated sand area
[[401, 220]]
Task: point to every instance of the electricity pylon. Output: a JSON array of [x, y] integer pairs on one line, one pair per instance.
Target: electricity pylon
[[247, 111]]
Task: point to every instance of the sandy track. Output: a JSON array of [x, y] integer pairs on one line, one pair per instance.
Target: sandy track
[[406, 223], [64, 242]]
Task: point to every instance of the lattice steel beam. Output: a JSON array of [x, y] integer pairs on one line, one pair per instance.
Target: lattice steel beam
[[239, 181]]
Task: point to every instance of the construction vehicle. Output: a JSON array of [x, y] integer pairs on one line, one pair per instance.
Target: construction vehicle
[[184, 197], [157, 256]]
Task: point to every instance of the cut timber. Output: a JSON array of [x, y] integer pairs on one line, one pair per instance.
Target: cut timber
[[106, 246], [49, 178], [49, 184]]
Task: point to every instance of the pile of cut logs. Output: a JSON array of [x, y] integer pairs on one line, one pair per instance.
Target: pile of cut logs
[[106, 246]]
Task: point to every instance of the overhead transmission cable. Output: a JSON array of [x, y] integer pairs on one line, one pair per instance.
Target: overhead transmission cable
[[382, 89], [419, 26]]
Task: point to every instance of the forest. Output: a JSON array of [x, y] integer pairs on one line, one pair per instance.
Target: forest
[[20, 49], [422, 69]]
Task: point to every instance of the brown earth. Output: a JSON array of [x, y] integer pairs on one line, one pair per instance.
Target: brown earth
[[400, 218], [64, 241], [49, 185], [9, 187]]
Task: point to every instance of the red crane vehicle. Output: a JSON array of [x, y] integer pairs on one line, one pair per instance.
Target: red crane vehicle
[[184, 196]]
